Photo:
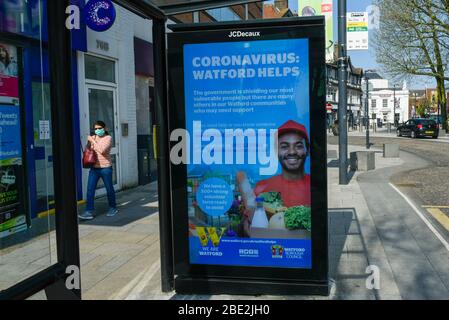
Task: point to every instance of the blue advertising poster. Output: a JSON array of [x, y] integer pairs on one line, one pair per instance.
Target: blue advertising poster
[[10, 142], [12, 218], [248, 149]]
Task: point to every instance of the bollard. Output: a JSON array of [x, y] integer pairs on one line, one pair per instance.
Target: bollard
[[391, 150], [362, 160]]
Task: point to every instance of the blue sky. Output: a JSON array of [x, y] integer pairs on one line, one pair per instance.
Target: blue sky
[[364, 59]]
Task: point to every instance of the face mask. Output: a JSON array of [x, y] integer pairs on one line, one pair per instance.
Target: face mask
[[100, 132]]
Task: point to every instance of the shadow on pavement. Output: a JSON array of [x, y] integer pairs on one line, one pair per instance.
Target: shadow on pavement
[[348, 255], [133, 205], [333, 164], [351, 174], [348, 259], [336, 164]]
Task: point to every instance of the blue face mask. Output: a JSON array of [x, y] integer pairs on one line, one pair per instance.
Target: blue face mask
[[100, 132]]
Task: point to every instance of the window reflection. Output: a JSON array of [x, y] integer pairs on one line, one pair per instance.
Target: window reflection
[[27, 239]]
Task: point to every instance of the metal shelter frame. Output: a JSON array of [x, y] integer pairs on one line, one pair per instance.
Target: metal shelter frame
[[53, 279]]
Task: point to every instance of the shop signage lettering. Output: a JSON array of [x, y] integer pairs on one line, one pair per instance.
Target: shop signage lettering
[[102, 45], [98, 15], [8, 197]]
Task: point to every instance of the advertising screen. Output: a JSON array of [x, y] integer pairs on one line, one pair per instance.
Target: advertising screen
[[12, 219], [248, 153], [248, 173], [12, 216]]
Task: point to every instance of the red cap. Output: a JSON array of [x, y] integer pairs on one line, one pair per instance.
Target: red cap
[[292, 126]]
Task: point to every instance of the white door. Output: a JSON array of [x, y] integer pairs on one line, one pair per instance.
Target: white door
[[102, 105]]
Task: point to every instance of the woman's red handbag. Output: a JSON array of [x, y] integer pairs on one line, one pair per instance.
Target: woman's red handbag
[[89, 158]]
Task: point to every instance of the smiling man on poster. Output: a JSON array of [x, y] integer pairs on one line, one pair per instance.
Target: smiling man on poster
[[293, 184]]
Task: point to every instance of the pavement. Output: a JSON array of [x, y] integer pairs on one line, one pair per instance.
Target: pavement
[[415, 246], [372, 223]]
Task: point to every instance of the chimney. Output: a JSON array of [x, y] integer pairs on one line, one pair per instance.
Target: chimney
[[281, 4]]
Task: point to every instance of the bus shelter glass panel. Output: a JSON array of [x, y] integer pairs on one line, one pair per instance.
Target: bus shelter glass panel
[[27, 236]]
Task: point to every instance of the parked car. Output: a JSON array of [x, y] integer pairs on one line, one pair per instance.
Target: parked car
[[415, 128]]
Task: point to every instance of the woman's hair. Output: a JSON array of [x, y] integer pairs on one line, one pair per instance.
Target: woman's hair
[[7, 60], [101, 124]]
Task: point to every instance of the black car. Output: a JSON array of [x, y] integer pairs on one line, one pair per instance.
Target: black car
[[418, 128]]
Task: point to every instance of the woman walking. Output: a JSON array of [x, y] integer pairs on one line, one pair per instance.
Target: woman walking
[[101, 143]]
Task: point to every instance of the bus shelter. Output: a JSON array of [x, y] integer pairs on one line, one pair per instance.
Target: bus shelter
[[173, 261]]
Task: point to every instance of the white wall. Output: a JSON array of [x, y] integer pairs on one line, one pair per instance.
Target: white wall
[[402, 98], [120, 47]]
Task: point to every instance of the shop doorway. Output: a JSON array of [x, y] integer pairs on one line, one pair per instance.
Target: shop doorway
[[102, 104]]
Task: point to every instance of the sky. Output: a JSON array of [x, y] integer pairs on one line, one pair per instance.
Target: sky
[[364, 59]]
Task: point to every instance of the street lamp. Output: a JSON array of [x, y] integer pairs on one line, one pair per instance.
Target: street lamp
[[342, 93], [368, 145], [396, 122]]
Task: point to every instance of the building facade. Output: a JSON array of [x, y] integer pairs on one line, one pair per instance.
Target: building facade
[[355, 92], [387, 103], [106, 93], [427, 99]]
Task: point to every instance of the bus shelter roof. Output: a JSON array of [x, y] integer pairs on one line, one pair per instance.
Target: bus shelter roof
[[164, 8]]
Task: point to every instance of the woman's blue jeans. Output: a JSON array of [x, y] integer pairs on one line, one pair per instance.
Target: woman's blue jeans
[[94, 175]]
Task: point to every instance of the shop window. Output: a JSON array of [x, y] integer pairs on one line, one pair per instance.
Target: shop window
[[99, 69], [27, 236]]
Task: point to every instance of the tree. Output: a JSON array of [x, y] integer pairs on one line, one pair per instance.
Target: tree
[[413, 40]]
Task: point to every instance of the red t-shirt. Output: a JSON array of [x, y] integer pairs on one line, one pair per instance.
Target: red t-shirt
[[293, 192]]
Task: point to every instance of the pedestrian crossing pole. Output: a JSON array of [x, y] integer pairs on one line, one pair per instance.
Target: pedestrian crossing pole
[[342, 94]]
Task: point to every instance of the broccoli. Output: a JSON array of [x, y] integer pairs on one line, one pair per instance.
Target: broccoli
[[298, 218]]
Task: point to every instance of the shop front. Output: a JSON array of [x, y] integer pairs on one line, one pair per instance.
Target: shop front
[[27, 220], [24, 36]]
